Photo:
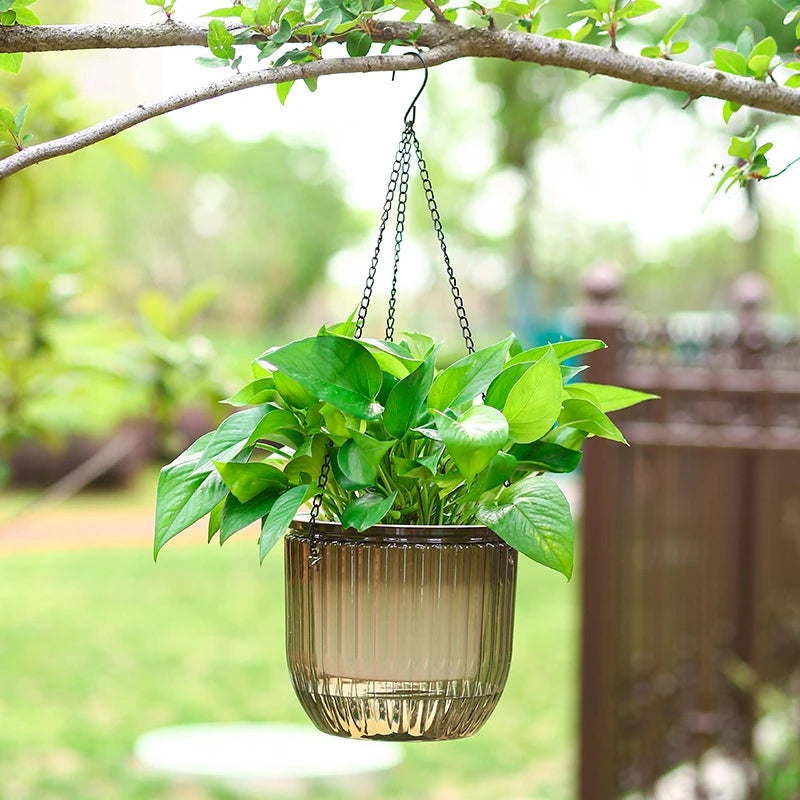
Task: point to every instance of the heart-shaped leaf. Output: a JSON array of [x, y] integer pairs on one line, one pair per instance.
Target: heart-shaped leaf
[[533, 516], [585, 416], [467, 378], [407, 398], [547, 456], [247, 480], [367, 510], [281, 514], [339, 371], [534, 401], [183, 496], [562, 350], [236, 515], [356, 465], [608, 398], [231, 438], [474, 438]]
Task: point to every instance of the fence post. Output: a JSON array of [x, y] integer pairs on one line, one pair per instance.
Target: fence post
[[750, 293], [602, 316]]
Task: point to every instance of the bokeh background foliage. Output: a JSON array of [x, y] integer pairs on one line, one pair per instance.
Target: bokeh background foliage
[[138, 279]]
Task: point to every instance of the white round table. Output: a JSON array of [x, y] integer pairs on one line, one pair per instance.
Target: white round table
[[263, 758]]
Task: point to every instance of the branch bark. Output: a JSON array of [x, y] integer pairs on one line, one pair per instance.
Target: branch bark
[[446, 41]]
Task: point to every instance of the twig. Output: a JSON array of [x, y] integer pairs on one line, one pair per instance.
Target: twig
[[437, 12]]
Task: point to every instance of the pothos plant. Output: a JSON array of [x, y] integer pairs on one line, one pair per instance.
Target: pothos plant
[[405, 442]]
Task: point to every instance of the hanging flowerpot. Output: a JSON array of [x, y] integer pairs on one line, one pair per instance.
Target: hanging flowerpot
[[423, 483], [401, 631]]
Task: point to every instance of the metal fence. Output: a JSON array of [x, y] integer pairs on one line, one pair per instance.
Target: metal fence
[[691, 549]]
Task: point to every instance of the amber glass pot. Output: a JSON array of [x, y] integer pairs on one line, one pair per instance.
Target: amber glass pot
[[399, 632]]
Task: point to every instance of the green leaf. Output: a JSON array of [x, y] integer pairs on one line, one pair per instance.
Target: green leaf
[[10, 62], [356, 464], [276, 421], [227, 11], [282, 35], [335, 423], [562, 350], [247, 480], [292, 392], [407, 398], [468, 377], [729, 109], [474, 438], [500, 469], [306, 465], [220, 40], [280, 516], [793, 81], [259, 391], [184, 497], [215, 518], [367, 510], [358, 43], [339, 371], [651, 52], [497, 393], [586, 416], [534, 401], [611, 398], [212, 62], [236, 515], [7, 120], [533, 516], [730, 61], [564, 436], [637, 8], [679, 47], [743, 147], [232, 437], [546, 456], [392, 357], [419, 344], [265, 12], [746, 41], [674, 29], [283, 90], [761, 56], [25, 16]]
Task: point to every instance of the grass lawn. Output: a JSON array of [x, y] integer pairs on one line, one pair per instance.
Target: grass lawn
[[100, 645]]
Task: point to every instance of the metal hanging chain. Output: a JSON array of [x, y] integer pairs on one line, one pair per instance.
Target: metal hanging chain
[[400, 224], [387, 208], [314, 554], [437, 227], [399, 177]]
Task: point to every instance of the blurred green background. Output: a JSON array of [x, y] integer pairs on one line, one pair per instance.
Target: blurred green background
[[139, 278]]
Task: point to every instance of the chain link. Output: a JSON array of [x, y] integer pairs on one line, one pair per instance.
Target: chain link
[[400, 225], [314, 554], [437, 227], [387, 208]]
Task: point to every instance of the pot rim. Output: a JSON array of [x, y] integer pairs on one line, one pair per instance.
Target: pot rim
[[302, 521], [398, 535]]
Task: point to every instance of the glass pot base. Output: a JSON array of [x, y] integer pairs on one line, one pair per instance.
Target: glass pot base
[[399, 633]]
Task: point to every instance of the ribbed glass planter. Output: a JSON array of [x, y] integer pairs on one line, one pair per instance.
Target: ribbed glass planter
[[399, 632]]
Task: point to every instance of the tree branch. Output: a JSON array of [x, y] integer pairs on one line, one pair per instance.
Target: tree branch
[[45, 38], [446, 41]]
